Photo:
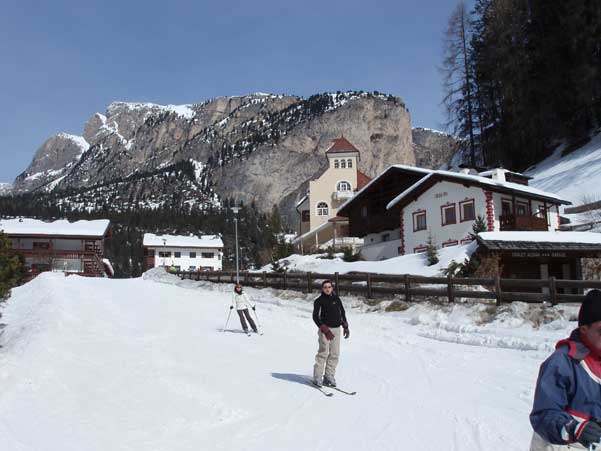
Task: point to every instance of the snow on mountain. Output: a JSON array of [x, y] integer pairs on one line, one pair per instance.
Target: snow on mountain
[[184, 111], [575, 176], [5, 188], [79, 140], [142, 364]]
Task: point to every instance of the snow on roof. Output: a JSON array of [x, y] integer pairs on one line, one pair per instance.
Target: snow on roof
[[300, 202], [151, 239], [62, 227], [473, 178], [543, 237]]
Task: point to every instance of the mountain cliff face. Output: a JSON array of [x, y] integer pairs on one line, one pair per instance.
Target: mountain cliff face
[[433, 149], [261, 147]]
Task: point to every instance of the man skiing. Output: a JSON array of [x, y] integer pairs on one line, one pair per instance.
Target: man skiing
[[567, 402], [329, 316], [242, 303]]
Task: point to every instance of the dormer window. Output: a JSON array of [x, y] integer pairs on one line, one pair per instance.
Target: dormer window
[[322, 209], [343, 186], [349, 163], [336, 164], [342, 164]]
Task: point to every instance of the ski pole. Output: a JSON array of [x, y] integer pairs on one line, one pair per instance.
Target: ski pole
[[256, 316], [228, 318]]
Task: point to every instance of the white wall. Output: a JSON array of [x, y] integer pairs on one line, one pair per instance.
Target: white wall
[[185, 262], [442, 193]]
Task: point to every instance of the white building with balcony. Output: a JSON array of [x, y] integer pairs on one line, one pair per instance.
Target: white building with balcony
[[187, 253], [319, 225]]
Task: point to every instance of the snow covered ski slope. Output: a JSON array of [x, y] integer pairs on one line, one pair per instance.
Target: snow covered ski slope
[[143, 364]]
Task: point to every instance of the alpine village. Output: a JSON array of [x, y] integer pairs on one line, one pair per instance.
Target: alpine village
[[461, 255]]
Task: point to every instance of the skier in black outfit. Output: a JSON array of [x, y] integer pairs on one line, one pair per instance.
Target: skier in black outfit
[[329, 316]]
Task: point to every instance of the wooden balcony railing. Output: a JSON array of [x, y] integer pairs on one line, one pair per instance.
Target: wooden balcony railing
[[523, 223]]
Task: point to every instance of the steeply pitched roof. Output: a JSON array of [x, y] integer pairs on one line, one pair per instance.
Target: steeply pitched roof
[[61, 227], [341, 145], [493, 185], [432, 176], [362, 179]]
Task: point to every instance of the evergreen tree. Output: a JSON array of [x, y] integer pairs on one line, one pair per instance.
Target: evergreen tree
[[12, 267], [458, 80], [431, 251]]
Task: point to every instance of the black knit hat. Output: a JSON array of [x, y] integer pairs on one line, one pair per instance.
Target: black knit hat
[[590, 310]]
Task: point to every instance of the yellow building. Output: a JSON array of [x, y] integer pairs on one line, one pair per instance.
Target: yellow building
[[319, 225]]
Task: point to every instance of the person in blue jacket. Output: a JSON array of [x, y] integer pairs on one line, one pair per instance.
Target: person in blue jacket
[[567, 402]]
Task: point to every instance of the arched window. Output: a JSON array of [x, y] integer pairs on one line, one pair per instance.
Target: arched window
[[322, 209], [349, 163], [336, 164], [343, 186], [342, 164]]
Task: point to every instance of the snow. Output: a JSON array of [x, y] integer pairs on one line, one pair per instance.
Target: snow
[[62, 227], [300, 202], [184, 111], [544, 237], [108, 263], [151, 239], [138, 364], [415, 264], [476, 178], [576, 176], [80, 141]]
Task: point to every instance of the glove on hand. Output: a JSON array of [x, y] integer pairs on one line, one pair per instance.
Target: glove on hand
[[254, 307], [347, 333], [327, 332], [587, 433], [231, 307]]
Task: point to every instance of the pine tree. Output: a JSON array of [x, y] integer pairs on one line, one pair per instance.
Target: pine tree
[[458, 80], [12, 267], [431, 251]]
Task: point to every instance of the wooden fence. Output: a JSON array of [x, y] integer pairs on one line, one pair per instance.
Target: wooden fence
[[413, 288]]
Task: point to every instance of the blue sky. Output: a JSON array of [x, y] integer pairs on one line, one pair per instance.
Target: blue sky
[[62, 61]]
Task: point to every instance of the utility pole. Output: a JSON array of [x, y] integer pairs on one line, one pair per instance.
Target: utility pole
[[235, 210]]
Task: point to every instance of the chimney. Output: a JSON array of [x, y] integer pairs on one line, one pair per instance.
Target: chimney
[[499, 174]]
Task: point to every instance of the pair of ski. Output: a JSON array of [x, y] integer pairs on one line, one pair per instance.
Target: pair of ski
[[327, 393], [258, 333]]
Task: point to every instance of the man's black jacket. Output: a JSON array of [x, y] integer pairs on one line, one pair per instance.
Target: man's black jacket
[[328, 310]]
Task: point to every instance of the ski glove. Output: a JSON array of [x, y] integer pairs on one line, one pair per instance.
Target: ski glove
[[327, 332], [347, 333], [587, 433], [231, 307]]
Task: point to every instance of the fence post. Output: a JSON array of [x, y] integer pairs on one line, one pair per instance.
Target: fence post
[[498, 290], [285, 280], [368, 286], [219, 277], [552, 291], [309, 282], [407, 288], [450, 290], [336, 282], [245, 277], [264, 279]]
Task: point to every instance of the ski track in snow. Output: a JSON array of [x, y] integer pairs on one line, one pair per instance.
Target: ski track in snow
[[142, 364]]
